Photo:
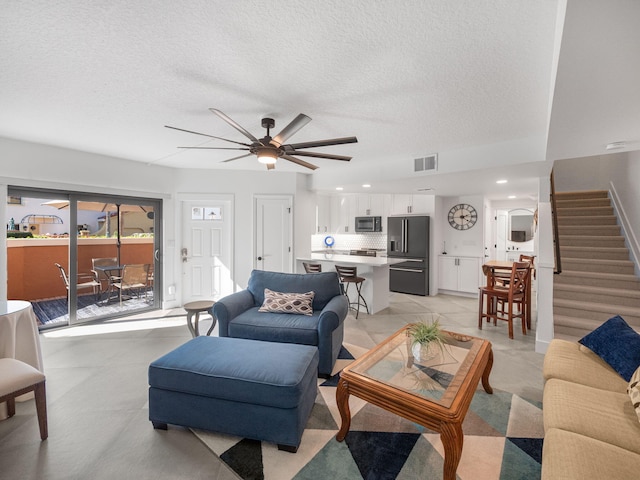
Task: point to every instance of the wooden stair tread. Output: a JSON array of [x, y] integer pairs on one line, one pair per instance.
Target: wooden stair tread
[[613, 292], [582, 194], [585, 323], [599, 261], [603, 275], [597, 307], [599, 248]]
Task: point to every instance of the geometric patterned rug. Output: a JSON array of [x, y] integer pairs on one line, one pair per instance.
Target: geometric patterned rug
[[502, 440]]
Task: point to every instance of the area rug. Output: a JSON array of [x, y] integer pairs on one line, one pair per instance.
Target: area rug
[[502, 440]]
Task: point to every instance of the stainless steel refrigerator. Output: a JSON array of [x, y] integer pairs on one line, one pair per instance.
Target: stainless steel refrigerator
[[408, 239]]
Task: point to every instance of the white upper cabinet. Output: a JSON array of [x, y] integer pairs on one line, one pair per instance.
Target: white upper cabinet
[[344, 210], [364, 205], [405, 203], [323, 213], [375, 204]]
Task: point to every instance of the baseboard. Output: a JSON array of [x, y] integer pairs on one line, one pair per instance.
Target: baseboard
[[630, 239]]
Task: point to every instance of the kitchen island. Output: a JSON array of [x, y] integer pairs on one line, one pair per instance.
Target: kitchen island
[[375, 289]]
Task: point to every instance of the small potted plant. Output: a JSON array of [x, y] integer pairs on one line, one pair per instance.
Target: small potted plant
[[427, 339]]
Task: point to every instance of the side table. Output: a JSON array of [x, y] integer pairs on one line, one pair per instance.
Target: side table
[[194, 309]]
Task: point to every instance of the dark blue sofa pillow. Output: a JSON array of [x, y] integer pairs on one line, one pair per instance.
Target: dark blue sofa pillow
[[617, 344]]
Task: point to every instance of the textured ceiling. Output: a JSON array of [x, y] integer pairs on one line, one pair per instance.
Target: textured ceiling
[[470, 80]]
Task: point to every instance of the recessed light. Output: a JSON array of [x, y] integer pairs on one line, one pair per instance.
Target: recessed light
[[501, 181], [511, 196], [339, 188], [366, 185]]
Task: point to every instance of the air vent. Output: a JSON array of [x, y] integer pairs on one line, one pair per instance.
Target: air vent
[[425, 164]]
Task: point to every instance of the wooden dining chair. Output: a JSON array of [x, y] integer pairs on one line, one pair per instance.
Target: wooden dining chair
[[531, 260], [510, 297]]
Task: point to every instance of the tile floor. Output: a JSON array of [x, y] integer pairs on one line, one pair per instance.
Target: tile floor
[[97, 392]]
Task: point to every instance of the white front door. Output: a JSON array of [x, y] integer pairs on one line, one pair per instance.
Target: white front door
[[206, 251], [274, 239]]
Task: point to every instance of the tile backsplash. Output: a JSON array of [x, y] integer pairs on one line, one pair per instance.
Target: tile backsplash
[[345, 241]]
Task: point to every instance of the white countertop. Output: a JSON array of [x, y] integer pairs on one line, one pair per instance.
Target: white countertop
[[351, 259]]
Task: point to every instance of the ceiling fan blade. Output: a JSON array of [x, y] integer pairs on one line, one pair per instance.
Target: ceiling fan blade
[[320, 155], [214, 148], [235, 125], [206, 135], [296, 124], [299, 162], [236, 158], [271, 166], [321, 143]]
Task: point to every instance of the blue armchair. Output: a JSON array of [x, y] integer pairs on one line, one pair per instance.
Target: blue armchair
[[238, 314]]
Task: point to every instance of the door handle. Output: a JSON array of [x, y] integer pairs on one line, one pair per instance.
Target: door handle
[[259, 258], [156, 255], [183, 254]]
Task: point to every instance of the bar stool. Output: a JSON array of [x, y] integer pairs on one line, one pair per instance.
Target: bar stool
[[312, 267], [349, 275]]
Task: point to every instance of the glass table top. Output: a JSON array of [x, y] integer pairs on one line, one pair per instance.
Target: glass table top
[[437, 378]]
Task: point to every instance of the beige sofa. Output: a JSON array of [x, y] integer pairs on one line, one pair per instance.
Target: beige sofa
[[591, 428]]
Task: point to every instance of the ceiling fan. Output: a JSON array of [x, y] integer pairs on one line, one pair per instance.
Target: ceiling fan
[[268, 149]]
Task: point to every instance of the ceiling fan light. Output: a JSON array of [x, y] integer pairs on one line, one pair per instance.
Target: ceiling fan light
[[267, 156]]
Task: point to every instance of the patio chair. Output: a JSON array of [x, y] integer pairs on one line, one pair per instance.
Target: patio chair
[[85, 281], [134, 278], [100, 269]]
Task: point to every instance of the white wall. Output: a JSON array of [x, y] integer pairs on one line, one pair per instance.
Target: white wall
[[586, 173], [462, 242], [625, 178], [617, 173]]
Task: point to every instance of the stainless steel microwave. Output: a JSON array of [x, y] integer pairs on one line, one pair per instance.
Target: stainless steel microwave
[[368, 224]]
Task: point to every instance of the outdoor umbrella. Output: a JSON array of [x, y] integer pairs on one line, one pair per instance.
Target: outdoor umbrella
[[100, 207]]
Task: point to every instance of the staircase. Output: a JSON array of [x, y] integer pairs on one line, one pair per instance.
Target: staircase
[[597, 279]]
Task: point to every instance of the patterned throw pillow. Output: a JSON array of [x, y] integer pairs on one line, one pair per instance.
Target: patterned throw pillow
[[634, 391], [278, 302]]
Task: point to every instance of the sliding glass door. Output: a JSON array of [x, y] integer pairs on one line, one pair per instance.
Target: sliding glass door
[[95, 256]]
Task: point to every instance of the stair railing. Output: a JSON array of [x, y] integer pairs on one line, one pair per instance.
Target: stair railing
[[554, 219]]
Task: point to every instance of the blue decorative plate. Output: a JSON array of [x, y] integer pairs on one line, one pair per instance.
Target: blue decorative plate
[[329, 241]]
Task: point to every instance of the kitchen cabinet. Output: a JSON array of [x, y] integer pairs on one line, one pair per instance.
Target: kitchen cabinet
[[323, 213], [459, 274], [343, 213], [403, 203], [371, 204], [363, 205]]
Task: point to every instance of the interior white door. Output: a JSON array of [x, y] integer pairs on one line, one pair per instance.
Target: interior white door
[[206, 251], [274, 239]]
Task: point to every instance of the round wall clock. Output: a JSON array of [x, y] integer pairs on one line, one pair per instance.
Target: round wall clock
[[462, 216]]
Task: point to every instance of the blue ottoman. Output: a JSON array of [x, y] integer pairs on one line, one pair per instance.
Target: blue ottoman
[[253, 389]]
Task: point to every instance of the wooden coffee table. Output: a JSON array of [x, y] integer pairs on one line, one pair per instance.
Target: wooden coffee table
[[435, 393]]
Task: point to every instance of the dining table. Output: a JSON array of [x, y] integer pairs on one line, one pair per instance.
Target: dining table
[[19, 337], [109, 272], [501, 269]]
